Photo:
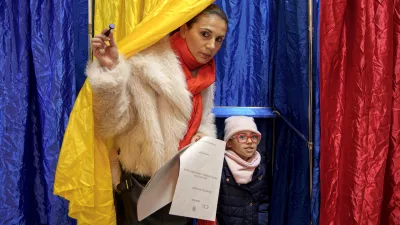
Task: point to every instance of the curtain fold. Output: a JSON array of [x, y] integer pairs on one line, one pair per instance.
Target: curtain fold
[[316, 192]]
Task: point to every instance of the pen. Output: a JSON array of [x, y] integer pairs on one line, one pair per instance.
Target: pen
[[111, 26]]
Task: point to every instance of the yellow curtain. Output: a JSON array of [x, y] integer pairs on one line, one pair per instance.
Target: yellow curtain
[[83, 175], [125, 15]]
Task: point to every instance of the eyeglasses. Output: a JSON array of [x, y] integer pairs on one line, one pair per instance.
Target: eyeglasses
[[242, 137]]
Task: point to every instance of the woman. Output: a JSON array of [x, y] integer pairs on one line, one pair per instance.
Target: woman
[[155, 103]]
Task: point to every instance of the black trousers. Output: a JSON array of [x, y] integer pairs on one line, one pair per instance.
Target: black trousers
[[126, 202]]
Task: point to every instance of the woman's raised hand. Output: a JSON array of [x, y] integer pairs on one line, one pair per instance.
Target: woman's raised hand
[[106, 54]]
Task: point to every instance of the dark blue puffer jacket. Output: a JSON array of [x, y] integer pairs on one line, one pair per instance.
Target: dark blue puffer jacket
[[245, 204]]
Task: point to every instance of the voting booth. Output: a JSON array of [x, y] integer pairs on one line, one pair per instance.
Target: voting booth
[[266, 69]]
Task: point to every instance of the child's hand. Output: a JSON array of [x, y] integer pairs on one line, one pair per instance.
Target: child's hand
[[197, 137]]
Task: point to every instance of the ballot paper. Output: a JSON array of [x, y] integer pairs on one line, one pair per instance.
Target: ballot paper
[[191, 180]]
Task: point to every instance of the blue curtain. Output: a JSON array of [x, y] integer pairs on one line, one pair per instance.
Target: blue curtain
[[315, 200], [290, 202], [38, 62], [243, 61], [80, 22]]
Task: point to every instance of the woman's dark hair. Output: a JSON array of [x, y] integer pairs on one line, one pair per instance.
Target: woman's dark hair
[[212, 9]]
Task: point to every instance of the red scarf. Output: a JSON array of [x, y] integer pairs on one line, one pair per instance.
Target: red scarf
[[205, 77]]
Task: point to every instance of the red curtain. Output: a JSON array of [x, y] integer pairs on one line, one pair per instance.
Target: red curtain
[[360, 112]]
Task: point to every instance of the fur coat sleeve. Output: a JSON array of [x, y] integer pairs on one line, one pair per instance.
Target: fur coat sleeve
[[111, 98]]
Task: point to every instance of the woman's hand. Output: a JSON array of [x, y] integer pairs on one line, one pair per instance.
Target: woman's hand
[[197, 137], [106, 54]]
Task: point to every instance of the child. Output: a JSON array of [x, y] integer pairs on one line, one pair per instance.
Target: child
[[243, 195]]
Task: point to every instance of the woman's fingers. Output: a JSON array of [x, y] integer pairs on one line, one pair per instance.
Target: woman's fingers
[[97, 45], [102, 37], [100, 41]]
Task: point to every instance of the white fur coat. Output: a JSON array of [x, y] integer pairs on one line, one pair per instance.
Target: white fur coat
[[145, 104]]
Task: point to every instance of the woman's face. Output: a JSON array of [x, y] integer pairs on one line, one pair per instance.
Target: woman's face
[[204, 38]]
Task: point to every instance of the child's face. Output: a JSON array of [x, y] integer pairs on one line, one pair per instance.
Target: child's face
[[244, 143]]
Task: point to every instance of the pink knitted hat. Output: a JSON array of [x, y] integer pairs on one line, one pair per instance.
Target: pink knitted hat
[[236, 124]]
